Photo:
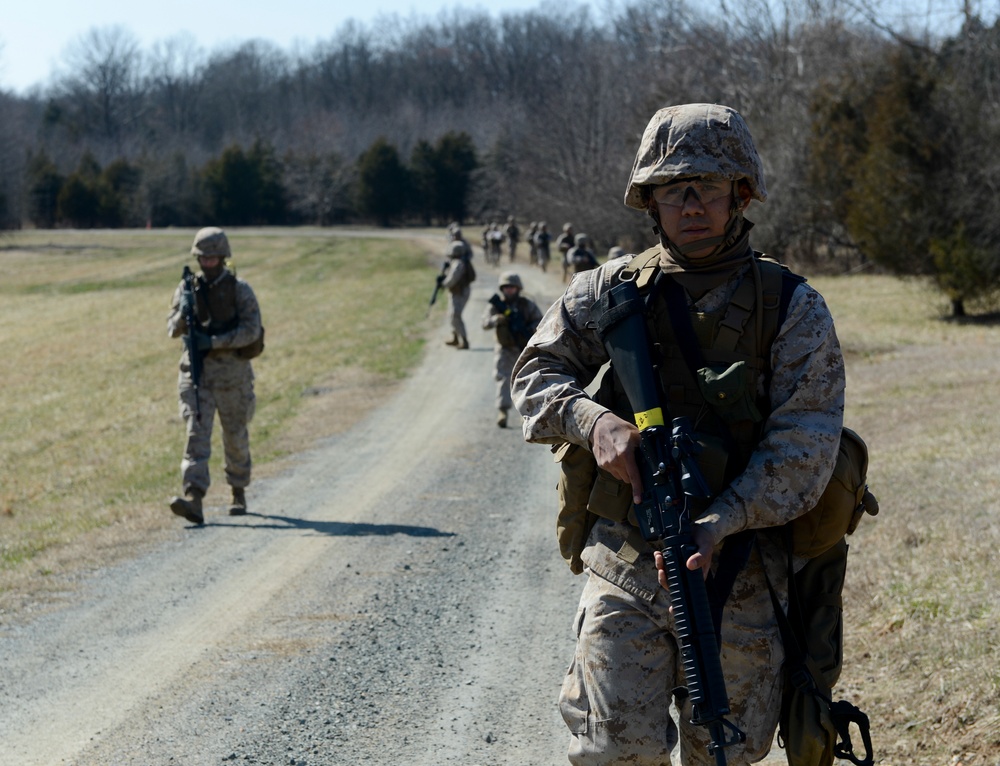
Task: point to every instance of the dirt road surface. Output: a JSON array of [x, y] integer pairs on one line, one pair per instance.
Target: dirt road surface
[[396, 597]]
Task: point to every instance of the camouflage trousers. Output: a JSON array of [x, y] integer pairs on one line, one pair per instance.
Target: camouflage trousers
[[235, 402], [503, 366], [456, 305], [616, 698]]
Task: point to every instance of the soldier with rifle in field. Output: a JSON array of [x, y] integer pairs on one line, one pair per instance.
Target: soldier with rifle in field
[[700, 384], [218, 316], [514, 318]]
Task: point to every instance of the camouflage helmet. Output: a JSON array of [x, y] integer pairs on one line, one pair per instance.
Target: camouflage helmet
[[567, 227], [211, 241], [457, 249], [694, 140], [510, 278], [580, 240]]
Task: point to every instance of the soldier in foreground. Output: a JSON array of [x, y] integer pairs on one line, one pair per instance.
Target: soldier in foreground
[[226, 334], [514, 318], [770, 448]]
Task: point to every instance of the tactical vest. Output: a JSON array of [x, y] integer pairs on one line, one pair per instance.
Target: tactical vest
[[719, 385], [217, 304]]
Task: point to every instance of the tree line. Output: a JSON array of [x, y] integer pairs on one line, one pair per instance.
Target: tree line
[[874, 136]]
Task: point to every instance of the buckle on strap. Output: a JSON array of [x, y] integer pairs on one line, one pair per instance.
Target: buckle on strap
[[843, 714]]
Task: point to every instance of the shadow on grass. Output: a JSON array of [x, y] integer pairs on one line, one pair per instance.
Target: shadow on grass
[[331, 528], [990, 319]]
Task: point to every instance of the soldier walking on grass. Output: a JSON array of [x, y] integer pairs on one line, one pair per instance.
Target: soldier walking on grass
[[227, 333]]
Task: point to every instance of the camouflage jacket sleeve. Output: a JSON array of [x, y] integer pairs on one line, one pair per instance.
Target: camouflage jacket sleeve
[[176, 324], [248, 328], [532, 314], [564, 355], [794, 460], [454, 273], [490, 315]]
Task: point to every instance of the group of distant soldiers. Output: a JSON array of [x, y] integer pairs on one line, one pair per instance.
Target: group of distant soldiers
[[576, 250]]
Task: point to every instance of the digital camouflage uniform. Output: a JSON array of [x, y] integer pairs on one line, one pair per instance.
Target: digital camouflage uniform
[[456, 281], [507, 348], [580, 257], [228, 311], [616, 694]]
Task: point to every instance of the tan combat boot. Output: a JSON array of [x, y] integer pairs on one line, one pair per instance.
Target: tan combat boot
[[189, 506], [502, 418], [453, 341], [239, 506]]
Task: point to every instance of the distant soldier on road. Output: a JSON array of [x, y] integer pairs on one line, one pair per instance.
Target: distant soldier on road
[[459, 275], [532, 247], [542, 241], [514, 318], [564, 243], [513, 234], [227, 335], [581, 257]]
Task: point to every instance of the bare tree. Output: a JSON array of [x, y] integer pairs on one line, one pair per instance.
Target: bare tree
[[175, 83], [103, 91]]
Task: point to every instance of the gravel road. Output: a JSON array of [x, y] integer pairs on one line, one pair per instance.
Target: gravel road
[[396, 597]]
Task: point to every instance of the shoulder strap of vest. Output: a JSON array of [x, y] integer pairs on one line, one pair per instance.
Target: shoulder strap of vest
[[646, 265]]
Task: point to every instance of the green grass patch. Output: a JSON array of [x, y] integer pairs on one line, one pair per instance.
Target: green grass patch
[[89, 423]]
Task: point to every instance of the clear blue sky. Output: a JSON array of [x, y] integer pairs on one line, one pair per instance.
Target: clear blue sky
[[34, 34]]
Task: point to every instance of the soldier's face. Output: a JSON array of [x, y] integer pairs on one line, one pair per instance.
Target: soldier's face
[[210, 265], [693, 209]]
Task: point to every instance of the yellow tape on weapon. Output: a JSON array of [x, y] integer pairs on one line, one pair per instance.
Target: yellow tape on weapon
[[653, 417]]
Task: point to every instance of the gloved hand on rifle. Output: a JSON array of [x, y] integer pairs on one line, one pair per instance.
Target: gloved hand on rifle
[[202, 340]]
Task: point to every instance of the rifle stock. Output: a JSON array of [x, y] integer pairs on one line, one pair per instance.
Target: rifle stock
[[670, 477]]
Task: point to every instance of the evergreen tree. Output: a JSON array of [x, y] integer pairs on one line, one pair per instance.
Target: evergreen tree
[[383, 183]]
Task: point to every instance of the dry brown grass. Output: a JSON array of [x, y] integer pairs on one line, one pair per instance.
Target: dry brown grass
[[921, 602]]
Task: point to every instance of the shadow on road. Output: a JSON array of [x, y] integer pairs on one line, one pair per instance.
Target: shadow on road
[[332, 528]]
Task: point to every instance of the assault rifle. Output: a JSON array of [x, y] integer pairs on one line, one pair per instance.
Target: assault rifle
[[438, 282], [195, 357], [515, 320], [670, 479]]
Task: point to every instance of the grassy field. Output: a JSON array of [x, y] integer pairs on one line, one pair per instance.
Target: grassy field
[[90, 439], [90, 434], [922, 611]]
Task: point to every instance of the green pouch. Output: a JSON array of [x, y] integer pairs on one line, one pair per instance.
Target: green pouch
[[807, 731], [577, 475], [728, 392]]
